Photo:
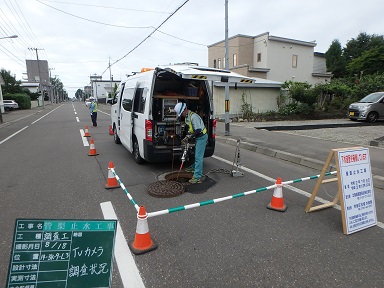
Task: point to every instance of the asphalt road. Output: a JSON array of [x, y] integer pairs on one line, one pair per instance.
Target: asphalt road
[[47, 174]]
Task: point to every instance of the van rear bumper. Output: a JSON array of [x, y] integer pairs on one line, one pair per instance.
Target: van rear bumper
[[155, 155]]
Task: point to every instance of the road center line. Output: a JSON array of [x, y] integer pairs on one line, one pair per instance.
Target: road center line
[[129, 272], [289, 187], [9, 137]]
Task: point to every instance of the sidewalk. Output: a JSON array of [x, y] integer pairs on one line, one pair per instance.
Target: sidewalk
[[297, 147], [10, 117]]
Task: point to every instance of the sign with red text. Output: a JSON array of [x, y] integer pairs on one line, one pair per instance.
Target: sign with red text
[[357, 199]]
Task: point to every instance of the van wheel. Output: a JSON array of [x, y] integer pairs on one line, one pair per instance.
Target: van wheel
[[116, 137], [136, 153], [372, 117]]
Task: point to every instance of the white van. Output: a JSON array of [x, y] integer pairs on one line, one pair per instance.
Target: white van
[[142, 116]]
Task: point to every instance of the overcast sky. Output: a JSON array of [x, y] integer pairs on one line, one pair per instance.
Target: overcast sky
[[80, 37]]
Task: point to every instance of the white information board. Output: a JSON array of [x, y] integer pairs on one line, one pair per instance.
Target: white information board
[[358, 199]]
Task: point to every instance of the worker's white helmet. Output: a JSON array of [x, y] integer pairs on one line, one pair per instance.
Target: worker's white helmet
[[179, 108]]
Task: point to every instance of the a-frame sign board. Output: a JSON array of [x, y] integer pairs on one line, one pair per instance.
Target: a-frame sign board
[[355, 188]]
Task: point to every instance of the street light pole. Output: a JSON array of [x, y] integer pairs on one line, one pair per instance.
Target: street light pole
[[12, 36]]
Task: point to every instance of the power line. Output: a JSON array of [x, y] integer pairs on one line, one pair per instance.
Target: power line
[[33, 38], [107, 7], [156, 29], [93, 21], [182, 39]]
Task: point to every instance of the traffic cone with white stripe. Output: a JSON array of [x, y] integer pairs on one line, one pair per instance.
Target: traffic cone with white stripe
[[277, 202], [92, 148], [86, 132], [112, 181], [110, 130], [143, 242]]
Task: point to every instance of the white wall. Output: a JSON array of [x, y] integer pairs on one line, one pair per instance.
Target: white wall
[[280, 62], [261, 99]]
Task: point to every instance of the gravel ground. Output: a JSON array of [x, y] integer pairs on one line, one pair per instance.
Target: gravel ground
[[353, 135]]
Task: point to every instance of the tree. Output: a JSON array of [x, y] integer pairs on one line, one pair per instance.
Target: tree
[[335, 60], [370, 62], [355, 47], [364, 55], [79, 94], [11, 86]]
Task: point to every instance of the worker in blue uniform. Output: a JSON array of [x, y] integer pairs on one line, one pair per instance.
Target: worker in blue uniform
[[197, 131]]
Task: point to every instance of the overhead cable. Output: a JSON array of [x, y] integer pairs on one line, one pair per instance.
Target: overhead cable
[[93, 21], [155, 29]]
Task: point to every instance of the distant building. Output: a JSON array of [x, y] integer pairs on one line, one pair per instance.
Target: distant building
[[38, 72], [271, 57], [101, 89]]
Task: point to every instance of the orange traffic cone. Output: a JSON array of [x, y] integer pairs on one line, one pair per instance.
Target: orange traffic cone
[[110, 130], [112, 181], [92, 148], [277, 202], [86, 132], [143, 242]]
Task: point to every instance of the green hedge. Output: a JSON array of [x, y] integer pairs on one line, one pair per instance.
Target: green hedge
[[23, 100]]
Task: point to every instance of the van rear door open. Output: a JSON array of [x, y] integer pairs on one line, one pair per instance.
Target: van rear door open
[[210, 74]]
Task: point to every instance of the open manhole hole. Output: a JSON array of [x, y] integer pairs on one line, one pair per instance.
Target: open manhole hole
[[165, 189], [180, 177]]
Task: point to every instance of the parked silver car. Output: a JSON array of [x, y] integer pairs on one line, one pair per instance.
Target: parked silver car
[[370, 108], [10, 105]]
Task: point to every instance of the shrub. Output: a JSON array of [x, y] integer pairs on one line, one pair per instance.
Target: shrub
[[23, 100]]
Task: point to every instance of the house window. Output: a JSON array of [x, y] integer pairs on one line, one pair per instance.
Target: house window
[[294, 61], [234, 60], [214, 63], [219, 63], [223, 62], [258, 57]]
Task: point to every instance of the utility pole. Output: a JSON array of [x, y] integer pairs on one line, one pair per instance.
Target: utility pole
[[50, 85], [1, 82], [227, 131], [38, 67], [110, 78]]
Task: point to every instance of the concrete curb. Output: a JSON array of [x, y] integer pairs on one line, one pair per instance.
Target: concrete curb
[[378, 181]]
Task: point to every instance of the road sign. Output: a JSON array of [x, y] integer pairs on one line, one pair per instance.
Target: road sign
[[355, 188], [358, 199], [62, 253]]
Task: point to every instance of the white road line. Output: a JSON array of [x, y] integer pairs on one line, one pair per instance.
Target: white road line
[[75, 113], [85, 140], [289, 187], [104, 112], [77, 119], [129, 272], [9, 137]]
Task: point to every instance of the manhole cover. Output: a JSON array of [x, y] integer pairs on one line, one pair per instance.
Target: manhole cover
[[165, 189]]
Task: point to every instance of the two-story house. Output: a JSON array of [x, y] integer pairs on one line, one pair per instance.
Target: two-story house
[[271, 60], [271, 57]]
